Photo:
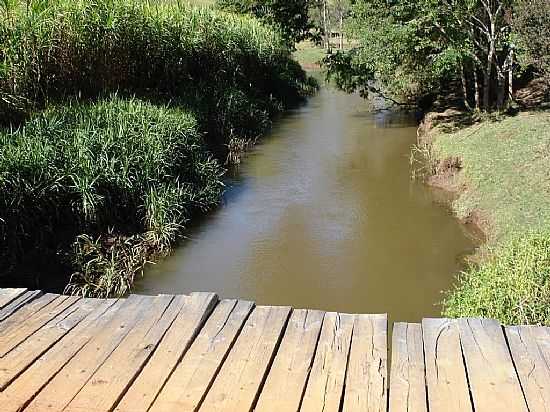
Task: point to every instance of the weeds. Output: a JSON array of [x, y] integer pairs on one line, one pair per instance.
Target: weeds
[[513, 285]]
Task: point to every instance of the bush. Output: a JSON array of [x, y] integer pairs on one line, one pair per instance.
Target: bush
[[512, 285], [111, 169]]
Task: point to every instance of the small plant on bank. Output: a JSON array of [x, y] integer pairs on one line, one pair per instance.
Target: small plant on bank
[[512, 285]]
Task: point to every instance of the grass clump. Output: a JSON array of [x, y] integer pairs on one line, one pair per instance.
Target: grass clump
[[125, 173], [512, 285]]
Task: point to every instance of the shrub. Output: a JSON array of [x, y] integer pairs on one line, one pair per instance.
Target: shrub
[[114, 168], [512, 285]]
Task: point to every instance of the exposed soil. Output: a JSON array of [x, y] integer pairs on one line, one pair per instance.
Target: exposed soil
[[446, 173]]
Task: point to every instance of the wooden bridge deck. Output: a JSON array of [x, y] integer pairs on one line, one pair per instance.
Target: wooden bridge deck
[[189, 353]]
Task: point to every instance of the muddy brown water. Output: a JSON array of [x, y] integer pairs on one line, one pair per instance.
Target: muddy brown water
[[323, 214]]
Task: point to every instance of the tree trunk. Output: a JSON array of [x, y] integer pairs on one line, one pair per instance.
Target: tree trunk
[[341, 31], [511, 78], [464, 87], [487, 81], [477, 90], [501, 90], [325, 26]]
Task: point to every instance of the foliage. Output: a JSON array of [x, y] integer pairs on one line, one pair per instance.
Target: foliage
[[532, 24], [414, 48], [290, 16], [513, 285], [111, 168]]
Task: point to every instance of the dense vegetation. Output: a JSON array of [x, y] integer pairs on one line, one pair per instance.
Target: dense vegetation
[[96, 184], [511, 285], [410, 50]]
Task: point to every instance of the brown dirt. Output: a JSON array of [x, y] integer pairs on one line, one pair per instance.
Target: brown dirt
[[447, 173]]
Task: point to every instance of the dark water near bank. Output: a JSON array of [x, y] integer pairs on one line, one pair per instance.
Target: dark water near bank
[[323, 214]]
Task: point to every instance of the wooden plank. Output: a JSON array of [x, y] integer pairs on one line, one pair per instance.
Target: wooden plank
[[326, 382], [77, 372], [531, 366], [11, 337], [9, 294], [407, 376], [445, 371], [187, 387], [494, 384], [287, 377], [367, 374], [17, 304], [237, 385], [18, 359], [192, 313], [18, 317], [109, 383], [21, 391]]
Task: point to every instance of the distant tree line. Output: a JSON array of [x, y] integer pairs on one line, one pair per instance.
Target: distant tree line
[[407, 49]]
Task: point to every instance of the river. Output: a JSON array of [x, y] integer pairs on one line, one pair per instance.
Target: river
[[323, 214]]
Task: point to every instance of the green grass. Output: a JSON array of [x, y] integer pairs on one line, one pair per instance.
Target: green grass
[[504, 172], [101, 184], [110, 169], [308, 55], [504, 177], [512, 285]]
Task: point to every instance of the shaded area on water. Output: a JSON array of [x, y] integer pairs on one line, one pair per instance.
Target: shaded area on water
[[323, 214]]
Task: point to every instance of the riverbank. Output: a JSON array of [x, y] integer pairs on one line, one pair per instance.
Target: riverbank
[[498, 170], [117, 119]]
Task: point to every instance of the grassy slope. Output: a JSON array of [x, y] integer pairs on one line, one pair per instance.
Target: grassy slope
[[505, 171], [506, 179], [309, 55]]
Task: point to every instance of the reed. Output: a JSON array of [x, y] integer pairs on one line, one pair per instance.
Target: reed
[[232, 71], [110, 110]]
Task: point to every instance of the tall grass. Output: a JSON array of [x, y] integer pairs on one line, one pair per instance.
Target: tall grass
[[123, 171], [513, 285], [102, 184], [232, 71]]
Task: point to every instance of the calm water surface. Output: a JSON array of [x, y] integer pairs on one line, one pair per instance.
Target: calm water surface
[[322, 214]]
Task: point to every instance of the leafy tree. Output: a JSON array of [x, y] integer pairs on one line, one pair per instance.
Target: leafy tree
[[291, 16], [413, 47], [532, 24]]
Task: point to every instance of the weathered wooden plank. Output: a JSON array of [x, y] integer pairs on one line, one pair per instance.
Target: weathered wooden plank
[[367, 374], [18, 359], [407, 376], [187, 387], [238, 382], [192, 313], [531, 366], [325, 386], [11, 337], [77, 372], [109, 383], [17, 304], [17, 318], [9, 294], [288, 375], [445, 371], [21, 391], [494, 384]]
